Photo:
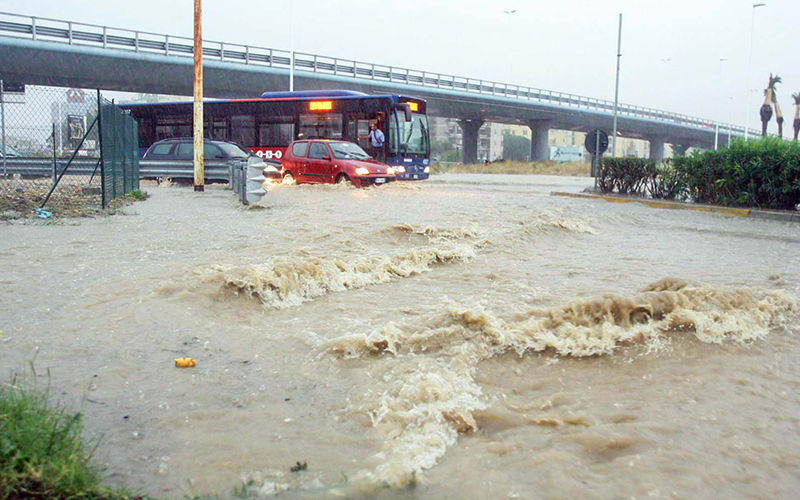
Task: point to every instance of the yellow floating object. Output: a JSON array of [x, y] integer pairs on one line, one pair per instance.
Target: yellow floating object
[[184, 362]]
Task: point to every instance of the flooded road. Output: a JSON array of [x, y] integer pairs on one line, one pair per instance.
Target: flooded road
[[467, 337]]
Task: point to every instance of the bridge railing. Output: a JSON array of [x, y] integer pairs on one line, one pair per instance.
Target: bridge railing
[[73, 33]]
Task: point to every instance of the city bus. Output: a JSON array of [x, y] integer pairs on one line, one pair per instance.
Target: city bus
[[268, 124]]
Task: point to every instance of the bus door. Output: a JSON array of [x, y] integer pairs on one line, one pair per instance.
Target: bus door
[[358, 127]]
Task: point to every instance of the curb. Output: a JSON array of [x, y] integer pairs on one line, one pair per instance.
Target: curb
[[675, 205]]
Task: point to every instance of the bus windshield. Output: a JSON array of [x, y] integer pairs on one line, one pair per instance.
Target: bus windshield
[[347, 150], [413, 134]]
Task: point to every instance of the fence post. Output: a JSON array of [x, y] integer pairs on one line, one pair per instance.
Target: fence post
[[55, 167], [33, 27], [69, 24], [3, 126]]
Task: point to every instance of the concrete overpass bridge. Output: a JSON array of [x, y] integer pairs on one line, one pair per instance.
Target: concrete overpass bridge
[[65, 53]]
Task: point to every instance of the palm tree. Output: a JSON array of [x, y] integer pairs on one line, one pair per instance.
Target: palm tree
[[796, 98], [766, 108], [778, 116]]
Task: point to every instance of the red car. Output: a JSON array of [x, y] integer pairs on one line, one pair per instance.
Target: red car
[[329, 161]]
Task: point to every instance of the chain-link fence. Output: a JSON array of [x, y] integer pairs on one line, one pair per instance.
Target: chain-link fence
[[53, 153]]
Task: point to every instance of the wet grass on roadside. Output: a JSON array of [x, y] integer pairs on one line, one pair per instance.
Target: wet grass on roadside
[[42, 453]]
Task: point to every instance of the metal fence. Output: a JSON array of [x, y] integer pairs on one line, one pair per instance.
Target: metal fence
[[119, 152], [83, 34], [59, 154]]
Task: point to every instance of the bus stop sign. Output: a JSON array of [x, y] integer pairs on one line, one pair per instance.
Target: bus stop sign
[[592, 141]]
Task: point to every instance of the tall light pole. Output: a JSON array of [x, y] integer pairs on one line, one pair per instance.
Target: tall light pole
[[291, 45], [719, 84], [616, 90], [199, 174], [750, 69]]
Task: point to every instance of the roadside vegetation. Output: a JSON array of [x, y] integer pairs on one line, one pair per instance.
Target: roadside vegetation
[[761, 174], [42, 454], [516, 167]]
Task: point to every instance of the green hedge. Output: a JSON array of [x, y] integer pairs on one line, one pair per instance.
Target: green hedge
[[762, 173]]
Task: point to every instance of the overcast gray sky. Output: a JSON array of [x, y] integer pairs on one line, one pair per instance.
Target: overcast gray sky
[[684, 56]]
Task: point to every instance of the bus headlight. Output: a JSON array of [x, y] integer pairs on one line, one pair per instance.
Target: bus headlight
[[390, 171], [427, 170], [362, 171], [400, 169]]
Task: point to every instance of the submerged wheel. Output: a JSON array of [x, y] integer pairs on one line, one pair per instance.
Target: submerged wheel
[[288, 178], [342, 179]]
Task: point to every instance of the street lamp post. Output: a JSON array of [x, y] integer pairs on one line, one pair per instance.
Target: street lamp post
[[716, 134], [750, 69], [291, 45], [616, 90]]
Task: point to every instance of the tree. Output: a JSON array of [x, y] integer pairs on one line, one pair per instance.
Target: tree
[[778, 116], [796, 98], [445, 151], [766, 108], [516, 147]]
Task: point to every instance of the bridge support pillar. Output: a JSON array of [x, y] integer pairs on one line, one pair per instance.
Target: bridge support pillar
[[679, 149], [469, 140], [657, 148], [540, 140]]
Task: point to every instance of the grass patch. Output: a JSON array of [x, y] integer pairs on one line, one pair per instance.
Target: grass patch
[[518, 168], [137, 194], [42, 454]]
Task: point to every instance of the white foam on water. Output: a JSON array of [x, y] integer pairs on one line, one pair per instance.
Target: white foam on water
[[429, 394]]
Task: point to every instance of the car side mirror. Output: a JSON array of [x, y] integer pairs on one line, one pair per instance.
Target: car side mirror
[[327, 158]]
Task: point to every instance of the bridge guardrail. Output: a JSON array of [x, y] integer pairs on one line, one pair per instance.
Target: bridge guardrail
[[74, 33], [43, 167]]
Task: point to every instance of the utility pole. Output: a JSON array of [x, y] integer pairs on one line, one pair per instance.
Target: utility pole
[[291, 45], [199, 174], [749, 70], [616, 91]]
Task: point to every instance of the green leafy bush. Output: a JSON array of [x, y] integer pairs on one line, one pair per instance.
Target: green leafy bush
[[667, 182], [762, 173], [625, 175]]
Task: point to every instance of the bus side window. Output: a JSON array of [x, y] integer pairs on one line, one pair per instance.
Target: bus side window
[[243, 130], [275, 134]]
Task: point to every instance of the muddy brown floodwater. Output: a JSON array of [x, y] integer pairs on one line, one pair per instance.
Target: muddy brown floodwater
[[466, 337]]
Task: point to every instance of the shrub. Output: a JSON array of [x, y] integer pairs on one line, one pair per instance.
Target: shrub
[[625, 175], [667, 182], [762, 173]]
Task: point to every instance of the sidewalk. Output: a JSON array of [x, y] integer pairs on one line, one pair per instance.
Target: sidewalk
[[783, 216]]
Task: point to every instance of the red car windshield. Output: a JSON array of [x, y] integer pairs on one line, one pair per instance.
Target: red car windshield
[[347, 151]]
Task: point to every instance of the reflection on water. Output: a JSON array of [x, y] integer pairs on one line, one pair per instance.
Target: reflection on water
[[470, 337]]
